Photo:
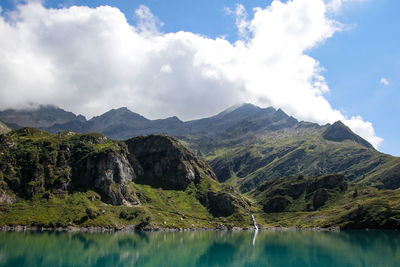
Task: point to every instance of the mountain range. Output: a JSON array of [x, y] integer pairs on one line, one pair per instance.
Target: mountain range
[[248, 160], [245, 144]]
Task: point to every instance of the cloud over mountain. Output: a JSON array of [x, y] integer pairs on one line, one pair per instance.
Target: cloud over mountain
[[89, 60]]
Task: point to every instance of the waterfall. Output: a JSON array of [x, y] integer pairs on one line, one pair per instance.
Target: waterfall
[[254, 221], [255, 226]]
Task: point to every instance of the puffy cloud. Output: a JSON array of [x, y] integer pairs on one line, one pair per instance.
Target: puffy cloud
[[384, 81], [89, 60]]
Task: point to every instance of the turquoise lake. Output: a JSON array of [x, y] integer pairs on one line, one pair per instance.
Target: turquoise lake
[[201, 248]]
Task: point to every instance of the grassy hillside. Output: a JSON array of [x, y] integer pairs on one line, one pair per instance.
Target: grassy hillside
[[252, 158], [88, 180], [150, 182], [325, 201], [245, 144]]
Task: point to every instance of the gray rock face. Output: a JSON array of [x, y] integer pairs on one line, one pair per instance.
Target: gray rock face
[[339, 132], [166, 163], [4, 198], [46, 165], [108, 173]]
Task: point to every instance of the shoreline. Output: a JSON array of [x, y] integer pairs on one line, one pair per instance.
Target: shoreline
[[132, 228]]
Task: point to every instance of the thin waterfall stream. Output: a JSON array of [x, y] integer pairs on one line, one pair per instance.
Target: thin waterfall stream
[[256, 232], [254, 221]]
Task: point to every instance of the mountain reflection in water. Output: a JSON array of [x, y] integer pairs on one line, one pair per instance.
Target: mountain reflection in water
[[202, 248]]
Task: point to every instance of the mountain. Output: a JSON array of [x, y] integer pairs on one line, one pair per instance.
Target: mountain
[[249, 157], [3, 128], [122, 123], [328, 200], [118, 124], [66, 180], [73, 179], [246, 145], [338, 132], [41, 116]]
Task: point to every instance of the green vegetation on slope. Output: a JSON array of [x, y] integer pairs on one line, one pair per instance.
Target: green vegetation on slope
[[245, 145], [149, 182], [254, 158], [325, 201], [83, 180]]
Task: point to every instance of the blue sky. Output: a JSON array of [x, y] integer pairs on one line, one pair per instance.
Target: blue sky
[[355, 59]]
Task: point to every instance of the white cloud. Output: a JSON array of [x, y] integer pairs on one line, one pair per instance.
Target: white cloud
[[242, 22], [166, 68], [336, 5], [89, 60], [384, 81], [147, 22]]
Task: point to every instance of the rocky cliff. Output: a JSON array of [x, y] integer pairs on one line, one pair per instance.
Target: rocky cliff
[[38, 166]]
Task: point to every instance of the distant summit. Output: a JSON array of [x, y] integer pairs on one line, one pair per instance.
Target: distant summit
[[122, 123], [41, 116], [338, 132], [244, 144]]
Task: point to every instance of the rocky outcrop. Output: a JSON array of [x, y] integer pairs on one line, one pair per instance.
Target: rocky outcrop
[[108, 173], [5, 198], [166, 163], [33, 162], [339, 132], [3, 128], [36, 164]]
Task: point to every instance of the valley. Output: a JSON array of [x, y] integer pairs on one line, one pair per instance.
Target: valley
[[212, 173]]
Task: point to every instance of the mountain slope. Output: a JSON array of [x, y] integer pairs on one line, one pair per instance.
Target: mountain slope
[[42, 116], [326, 201], [119, 124], [151, 182], [302, 149], [247, 145], [74, 179], [338, 132]]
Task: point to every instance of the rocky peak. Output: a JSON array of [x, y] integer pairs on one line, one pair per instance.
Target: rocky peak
[[238, 112], [339, 132], [115, 116]]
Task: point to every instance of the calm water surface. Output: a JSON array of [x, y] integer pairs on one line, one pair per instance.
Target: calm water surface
[[211, 248]]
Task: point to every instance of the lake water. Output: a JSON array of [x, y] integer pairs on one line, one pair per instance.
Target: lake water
[[208, 248]]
